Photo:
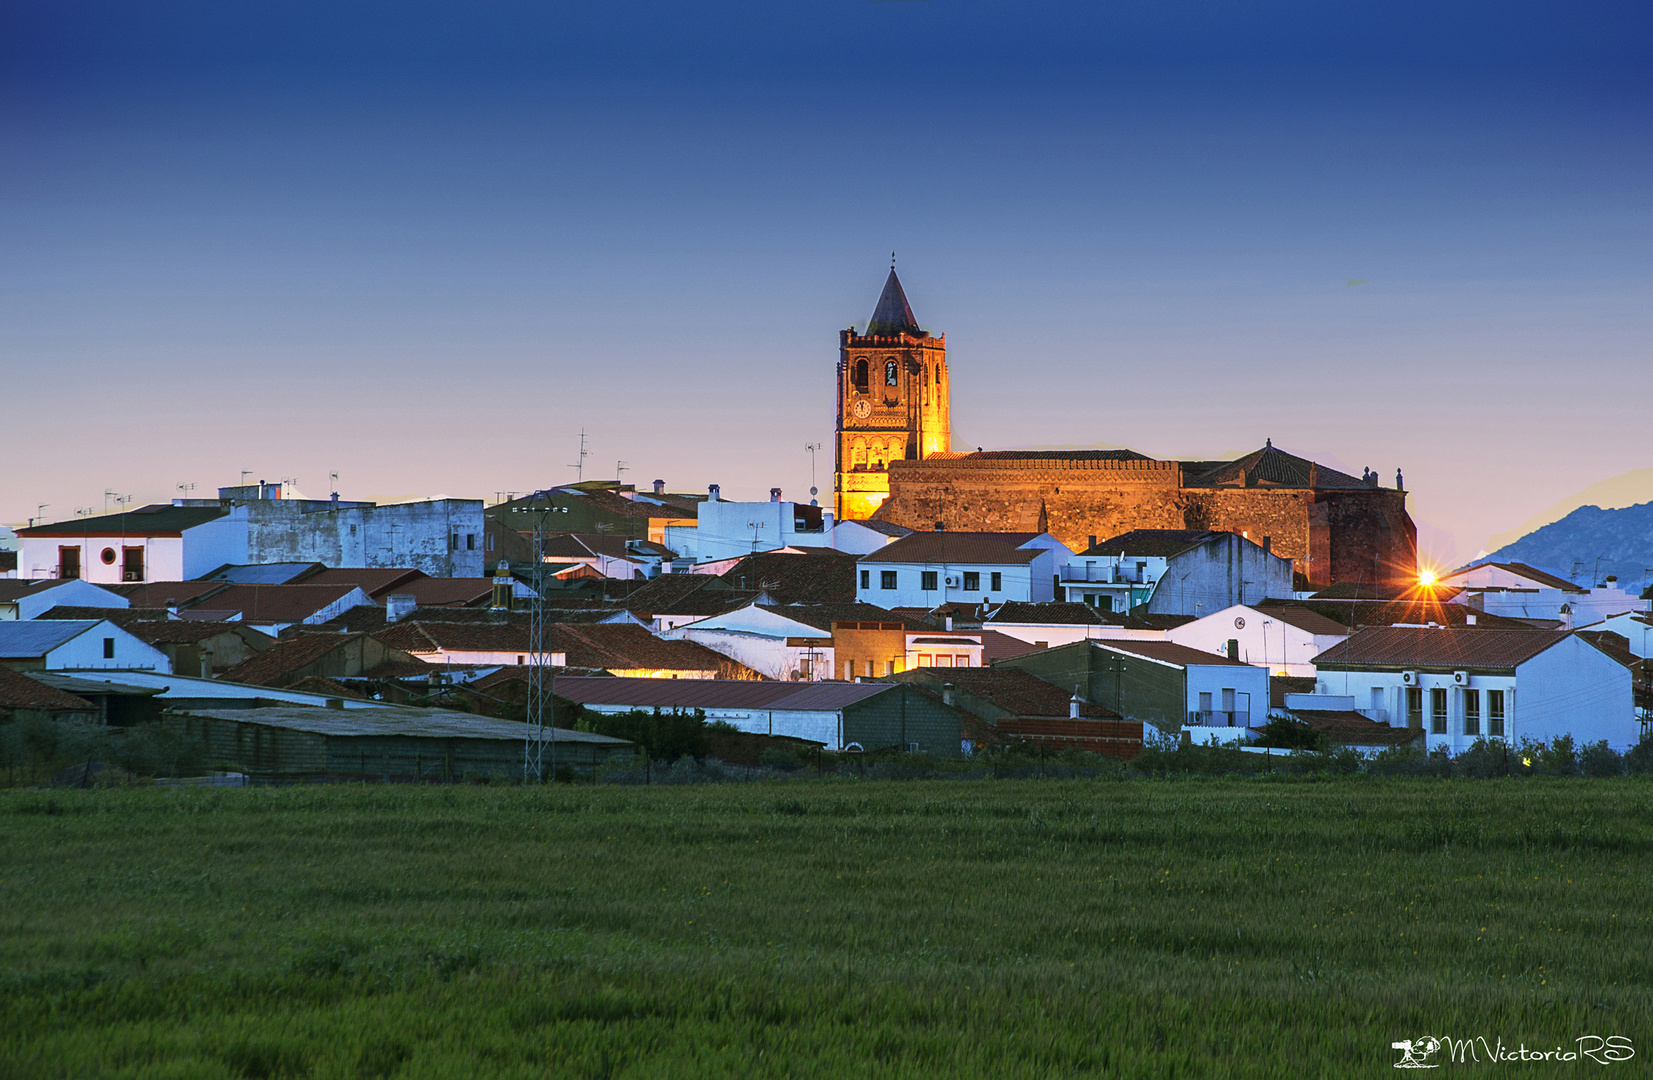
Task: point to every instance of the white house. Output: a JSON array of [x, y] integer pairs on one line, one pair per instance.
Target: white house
[[1519, 591], [928, 569], [1049, 626], [1176, 572], [1285, 640], [766, 639], [256, 524], [69, 644], [726, 529], [24, 599], [866, 537], [1635, 627], [1460, 685]]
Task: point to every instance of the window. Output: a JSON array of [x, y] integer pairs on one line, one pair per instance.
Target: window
[[1495, 713], [68, 562], [860, 376], [1472, 712], [927, 580], [1141, 573], [886, 579], [925, 660], [866, 579], [470, 541], [108, 556], [869, 669], [453, 541], [889, 373], [1104, 603], [912, 748], [108, 648], [1437, 710], [132, 564], [490, 542], [352, 530], [961, 661], [519, 659], [1377, 701], [997, 582], [972, 581], [1414, 708], [944, 660], [1205, 703]]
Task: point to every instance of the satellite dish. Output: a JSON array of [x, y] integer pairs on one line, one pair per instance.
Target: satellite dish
[[814, 491]]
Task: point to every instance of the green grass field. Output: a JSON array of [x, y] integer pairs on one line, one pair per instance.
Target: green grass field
[[952, 928]]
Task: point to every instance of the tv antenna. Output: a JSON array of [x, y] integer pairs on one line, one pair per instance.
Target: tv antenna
[[186, 489], [756, 526], [40, 513], [812, 447], [579, 465]]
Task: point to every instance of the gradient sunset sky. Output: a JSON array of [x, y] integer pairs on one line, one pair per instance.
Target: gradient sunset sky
[[425, 245]]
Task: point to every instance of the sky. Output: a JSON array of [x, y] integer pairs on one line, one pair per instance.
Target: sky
[[426, 246]]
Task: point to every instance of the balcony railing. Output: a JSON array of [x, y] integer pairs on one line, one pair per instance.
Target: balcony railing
[[1099, 575], [1220, 718]]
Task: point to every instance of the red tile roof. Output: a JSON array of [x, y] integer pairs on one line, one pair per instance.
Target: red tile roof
[[965, 548], [815, 576], [275, 603], [1446, 648], [1168, 652], [270, 667], [375, 582], [155, 594], [1304, 619], [18, 691]]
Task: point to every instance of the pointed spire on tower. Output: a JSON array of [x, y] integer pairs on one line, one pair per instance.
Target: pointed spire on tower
[[893, 315]]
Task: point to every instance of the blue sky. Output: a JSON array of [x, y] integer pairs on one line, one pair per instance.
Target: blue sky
[[425, 245]]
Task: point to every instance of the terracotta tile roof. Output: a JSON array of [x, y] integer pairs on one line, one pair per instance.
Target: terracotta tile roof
[[156, 519], [1418, 611], [1015, 691], [1154, 543], [1531, 573], [321, 684], [1352, 729], [121, 617], [445, 592], [1615, 645], [822, 616], [997, 646], [18, 691], [1270, 467], [270, 667], [375, 582], [424, 636], [157, 593], [1281, 685], [1168, 652], [188, 632], [623, 646], [274, 603], [964, 548], [687, 594], [1304, 619], [1055, 455], [1440, 647], [818, 576], [363, 618]]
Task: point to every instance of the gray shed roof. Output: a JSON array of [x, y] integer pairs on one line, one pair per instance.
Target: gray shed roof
[[716, 693], [417, 723]]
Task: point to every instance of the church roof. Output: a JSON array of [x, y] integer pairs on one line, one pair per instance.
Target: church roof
[[1268, 467], [893, 314]]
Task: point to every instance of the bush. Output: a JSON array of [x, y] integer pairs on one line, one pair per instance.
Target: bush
[[1560, 758], [665, 736], [1638, 760], [1598, 759], [1284, 733], [1484, 758]]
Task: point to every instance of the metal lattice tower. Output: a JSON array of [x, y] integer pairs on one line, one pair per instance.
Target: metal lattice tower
[[541, 718]]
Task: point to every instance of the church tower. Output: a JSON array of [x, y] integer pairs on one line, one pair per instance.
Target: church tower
[[892, 402]]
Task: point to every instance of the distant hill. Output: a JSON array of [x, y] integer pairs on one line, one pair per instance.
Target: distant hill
[[1622, 539]]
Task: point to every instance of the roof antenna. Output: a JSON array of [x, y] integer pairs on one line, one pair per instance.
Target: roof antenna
[[892, 260]]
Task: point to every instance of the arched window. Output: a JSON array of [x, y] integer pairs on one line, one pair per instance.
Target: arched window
[[858, 456], [889, 373], [860, 377]]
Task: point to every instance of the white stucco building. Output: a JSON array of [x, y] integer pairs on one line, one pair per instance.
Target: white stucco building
[[1175, 572], [71, 644], [928, 569], [726, 529], [1519, 591], [1460, 685], [1285, 640]]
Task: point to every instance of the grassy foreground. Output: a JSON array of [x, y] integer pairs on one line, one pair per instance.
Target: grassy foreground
[[1017, 928]]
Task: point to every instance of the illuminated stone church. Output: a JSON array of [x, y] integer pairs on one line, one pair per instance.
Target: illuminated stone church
[[895, 463]]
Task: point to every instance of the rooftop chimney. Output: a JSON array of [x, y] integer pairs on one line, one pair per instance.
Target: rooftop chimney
[[503, 592], [1074, 704], [1092, 539], [399, 606], [1567, 617], [711, 492], [774, 494], [1469, 620], [949, 624], [659, 487], [946, 693]]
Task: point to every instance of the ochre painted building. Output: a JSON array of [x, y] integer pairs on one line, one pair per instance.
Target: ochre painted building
[[895, 463]]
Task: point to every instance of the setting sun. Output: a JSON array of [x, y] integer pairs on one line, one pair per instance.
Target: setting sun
[[1426, 578]]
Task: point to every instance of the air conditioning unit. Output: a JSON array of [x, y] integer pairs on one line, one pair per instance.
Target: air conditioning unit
[[952, 583], [1460, 678], [1409, 678]]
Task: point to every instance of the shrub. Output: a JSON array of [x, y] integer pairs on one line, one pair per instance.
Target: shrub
[[1560, 758], [665, 736], [1287, 734], [1484, 758], [1598, 759], [1638, 760]]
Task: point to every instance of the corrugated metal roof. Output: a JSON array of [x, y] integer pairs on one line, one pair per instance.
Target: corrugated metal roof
[[77, 684], [1439, 647], [417, 723], [26, 639], [20, 691], [261, 573], [184, 688]]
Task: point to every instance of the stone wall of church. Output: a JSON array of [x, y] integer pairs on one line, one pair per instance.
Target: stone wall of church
[[1362, 536]]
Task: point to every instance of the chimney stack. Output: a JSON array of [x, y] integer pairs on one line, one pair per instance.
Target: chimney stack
[[659, 487], [946, 693], [1567, 617], [711, 492], [1092, 539], [1074, 704], [399, 606], [502, 587], [774, 494]]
